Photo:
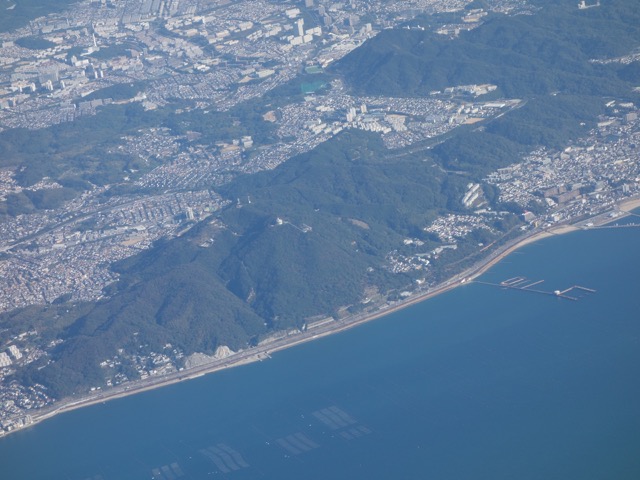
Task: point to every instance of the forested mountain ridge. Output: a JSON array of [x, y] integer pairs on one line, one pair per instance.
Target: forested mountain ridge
[[550, 51]]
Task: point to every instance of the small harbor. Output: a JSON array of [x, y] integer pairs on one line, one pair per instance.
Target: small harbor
[[574, 293]]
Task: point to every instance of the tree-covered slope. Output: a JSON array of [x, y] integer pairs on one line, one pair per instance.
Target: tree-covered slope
[[545, 59], [524, 55], [301, 240]]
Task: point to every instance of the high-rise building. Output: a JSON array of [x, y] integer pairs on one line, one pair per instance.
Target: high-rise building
[[51, 75], [5, 361], [300, 24], [352, 20], [15, 352]]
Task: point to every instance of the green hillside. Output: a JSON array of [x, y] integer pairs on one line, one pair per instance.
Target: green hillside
[[341, 207], [19, 13], [543, 59], [524, 55]]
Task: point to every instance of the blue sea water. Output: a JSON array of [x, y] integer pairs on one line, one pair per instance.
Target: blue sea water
[[477, 383]]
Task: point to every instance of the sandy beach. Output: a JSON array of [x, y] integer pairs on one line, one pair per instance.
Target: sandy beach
[[263, 352], [629, 205]]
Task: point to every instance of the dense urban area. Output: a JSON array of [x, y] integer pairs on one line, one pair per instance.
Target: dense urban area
[[213, 57]]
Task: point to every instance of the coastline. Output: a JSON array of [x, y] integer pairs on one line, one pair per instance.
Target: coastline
[[263, 352], [628, 205]]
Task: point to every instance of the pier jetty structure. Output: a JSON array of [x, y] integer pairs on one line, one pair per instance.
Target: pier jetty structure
[[526, 285]]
